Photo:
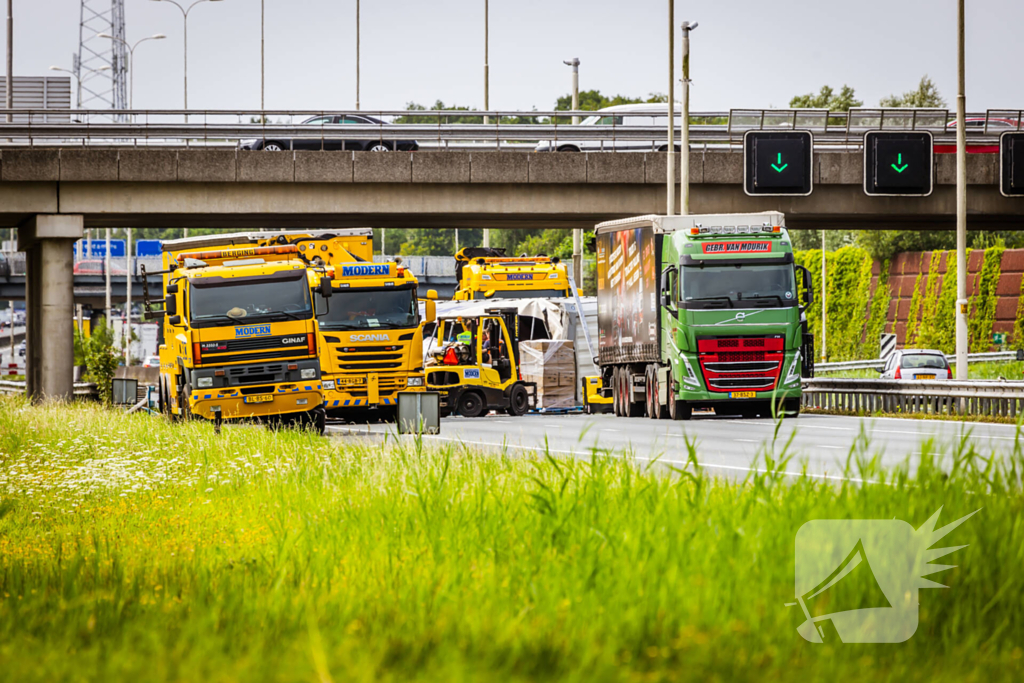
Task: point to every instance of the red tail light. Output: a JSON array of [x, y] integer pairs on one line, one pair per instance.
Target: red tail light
[[898, 375], [311, 343], [197, 354]]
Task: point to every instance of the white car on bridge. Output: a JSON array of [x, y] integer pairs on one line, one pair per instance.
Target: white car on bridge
[[621, 116]]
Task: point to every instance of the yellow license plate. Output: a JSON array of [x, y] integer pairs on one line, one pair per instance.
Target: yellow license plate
[[260, 398], [924, 376], [347, 381], [742, 394]]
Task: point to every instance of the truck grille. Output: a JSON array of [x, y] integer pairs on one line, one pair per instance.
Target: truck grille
[[387, 361], [261, 348], [733, 363]]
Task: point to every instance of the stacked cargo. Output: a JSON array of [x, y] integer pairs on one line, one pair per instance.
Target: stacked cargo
[[552, 365]]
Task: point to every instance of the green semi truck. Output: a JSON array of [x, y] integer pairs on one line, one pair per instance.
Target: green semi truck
[[702, 311]]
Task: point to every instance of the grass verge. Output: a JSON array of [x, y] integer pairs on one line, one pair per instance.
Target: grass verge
[[135, 549]]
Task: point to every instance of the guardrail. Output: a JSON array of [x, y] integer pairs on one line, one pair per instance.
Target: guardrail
[[505, 128], [80, 389], [879, 363], [934, 397]]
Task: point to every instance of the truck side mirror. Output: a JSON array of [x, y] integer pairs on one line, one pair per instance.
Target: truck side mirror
[[432, 294], [666, 286], [172, 288], [325, 287], [174, 320], [429, 310], [171, 305], [808, 286]]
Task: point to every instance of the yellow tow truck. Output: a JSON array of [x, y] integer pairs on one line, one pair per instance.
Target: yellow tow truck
[[486, 272], [371, 339], [239, 329]]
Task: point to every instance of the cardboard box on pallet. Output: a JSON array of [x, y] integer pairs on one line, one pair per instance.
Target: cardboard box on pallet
[[551, 363]]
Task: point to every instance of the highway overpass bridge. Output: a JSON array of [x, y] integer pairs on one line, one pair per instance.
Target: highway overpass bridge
[[51, 195], [235, 189]]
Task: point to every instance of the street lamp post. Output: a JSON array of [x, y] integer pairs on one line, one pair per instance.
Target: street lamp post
[[961, 201], [357, 55], [487, 66], [577, 233], [670, 165], [9, 103], [131, 60], [684, 157], [184, 19]]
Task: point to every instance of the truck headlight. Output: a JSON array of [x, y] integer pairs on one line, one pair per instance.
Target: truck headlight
[[204, 382], [414, 382], [307, 373], [328, 384]]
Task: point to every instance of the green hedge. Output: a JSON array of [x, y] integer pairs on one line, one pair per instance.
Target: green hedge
[[857, 316]]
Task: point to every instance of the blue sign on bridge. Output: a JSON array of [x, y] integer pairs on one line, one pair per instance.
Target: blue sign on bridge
[[98, 249], [147, 248]]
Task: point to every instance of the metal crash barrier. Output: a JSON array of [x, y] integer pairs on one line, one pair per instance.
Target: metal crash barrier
[[933, 397]]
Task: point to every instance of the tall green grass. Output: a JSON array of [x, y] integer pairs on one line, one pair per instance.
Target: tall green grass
[[134, 549]]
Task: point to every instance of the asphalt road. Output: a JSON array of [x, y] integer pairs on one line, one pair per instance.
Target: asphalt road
[[724, 445]]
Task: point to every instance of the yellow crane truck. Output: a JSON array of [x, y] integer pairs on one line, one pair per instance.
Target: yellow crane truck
[[371, 339], [239, 329], [486, 273]]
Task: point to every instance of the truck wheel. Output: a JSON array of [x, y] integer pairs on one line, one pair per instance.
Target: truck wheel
[[791, 407], [615, 393], [184, 412], [518, 401], [655, 409], [630, 408], [677, 410], [471, 404]]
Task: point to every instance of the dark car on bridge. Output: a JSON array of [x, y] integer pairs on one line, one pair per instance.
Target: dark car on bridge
[[319, 143], [5, 266]]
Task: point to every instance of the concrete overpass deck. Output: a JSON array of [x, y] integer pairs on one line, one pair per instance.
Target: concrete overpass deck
[[242, 190]]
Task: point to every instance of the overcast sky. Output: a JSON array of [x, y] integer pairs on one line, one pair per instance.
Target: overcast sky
[[746, 53]]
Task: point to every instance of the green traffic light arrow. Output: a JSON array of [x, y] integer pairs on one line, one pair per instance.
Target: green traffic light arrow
[[781, 168], [902, 168]]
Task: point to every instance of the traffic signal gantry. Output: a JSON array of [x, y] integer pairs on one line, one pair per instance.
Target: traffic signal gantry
[[898, 164], [778, 163], [1011, 164]]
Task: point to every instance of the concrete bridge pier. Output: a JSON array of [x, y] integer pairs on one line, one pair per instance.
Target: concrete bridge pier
[[48, 241]]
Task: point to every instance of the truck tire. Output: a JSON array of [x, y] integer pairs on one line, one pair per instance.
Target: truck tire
[[184, 412], [616, 409], [630, 407], [471, 404], [791, 408], [655, 410], [518, 401], [677, 410]]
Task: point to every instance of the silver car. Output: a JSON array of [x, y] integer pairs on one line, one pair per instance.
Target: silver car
[[917, 364]]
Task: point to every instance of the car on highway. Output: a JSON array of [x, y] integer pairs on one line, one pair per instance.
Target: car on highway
[[151, 362], [319, 143], [5, 266], [621, 117], [21, 348], [96, 267], [917, 364]]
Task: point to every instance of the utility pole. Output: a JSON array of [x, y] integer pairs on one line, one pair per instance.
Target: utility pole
[[357, 55], [684, 159], [9, 104], [670, 166], [961, 201], [106, 270], [128, 297], [487, 67], [824, 353], [577, 233], [263, 61], [10, 303]]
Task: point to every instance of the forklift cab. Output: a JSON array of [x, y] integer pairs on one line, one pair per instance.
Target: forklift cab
[[476, 367]]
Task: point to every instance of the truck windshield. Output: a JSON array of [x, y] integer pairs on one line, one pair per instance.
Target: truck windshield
[[249, 299], [359, 309], [738, 286]]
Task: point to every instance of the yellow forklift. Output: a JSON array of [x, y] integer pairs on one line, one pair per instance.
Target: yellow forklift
[[475, 365]]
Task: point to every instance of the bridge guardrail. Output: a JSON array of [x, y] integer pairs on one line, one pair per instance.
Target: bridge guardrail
[[935, 397], [132, 128]]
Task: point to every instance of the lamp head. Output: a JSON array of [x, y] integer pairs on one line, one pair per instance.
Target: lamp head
[[104, 35], [157, 36]]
